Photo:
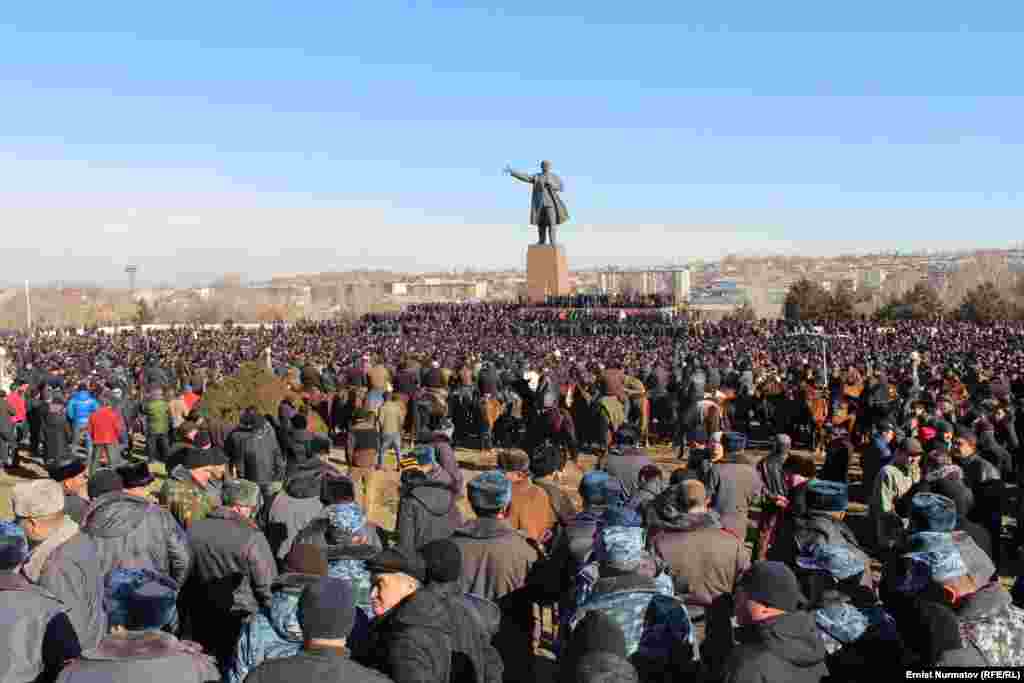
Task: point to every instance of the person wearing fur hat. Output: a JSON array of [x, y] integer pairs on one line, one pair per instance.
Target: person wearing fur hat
[[426, 505], [496, 562], [193, 488], [233, 571], [323, 620], [141, 606], [38, 637], [822, 523], [74, 479]]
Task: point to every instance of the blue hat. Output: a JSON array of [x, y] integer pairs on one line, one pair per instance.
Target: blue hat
[[934, 566], [827, 496], [140, 599], [734, 442], [346, 517], [838, 561], [620, 515], [932, 512], [13, 546], [594, 486], [490, 491]]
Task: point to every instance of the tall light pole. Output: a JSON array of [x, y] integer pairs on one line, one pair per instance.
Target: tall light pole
[[28, 308], [131, 270]]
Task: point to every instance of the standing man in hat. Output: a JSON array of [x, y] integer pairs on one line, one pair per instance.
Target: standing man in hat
[[892, 483], [426, 507], [141, 604], [72, 475], [37, 638], [295, 506], [775, 499], [530, 511], [778, 641], [326, 615], [64, 562], [106, 428], [411, 639], [497, 560], [738, 487], [192, 490], [131, 530], [233, 571], [877, 455]]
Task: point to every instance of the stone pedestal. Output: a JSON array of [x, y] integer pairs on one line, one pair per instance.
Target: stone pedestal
[[547, 272]]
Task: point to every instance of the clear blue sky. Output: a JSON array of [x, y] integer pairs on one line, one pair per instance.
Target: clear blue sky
[[197, 138]]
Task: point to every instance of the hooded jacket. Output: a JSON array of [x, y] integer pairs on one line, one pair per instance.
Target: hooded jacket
[[272, 634], [426, 511], [151, 656], [412, 642], [293, 508], [785, 649], [133, 533]]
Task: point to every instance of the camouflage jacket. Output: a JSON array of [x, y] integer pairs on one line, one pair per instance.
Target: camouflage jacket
[[655, 625], [993, 626], [186, 500]]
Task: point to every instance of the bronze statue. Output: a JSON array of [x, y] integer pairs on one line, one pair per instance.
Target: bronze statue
[[547, 211]]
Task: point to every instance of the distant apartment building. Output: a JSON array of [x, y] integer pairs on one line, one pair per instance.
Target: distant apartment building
[[437, 289]]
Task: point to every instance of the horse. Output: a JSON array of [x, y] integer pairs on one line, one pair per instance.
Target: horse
[[489, 409]]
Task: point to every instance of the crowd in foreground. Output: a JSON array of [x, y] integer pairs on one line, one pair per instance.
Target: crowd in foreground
[[254, 561]]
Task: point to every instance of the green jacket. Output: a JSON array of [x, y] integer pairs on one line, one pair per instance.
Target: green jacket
[[158, 417]]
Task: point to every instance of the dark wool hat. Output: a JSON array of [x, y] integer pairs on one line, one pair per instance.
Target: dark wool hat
[[327, 610], [932, 512], [443, 561], [13, 546], [135, 475], [140, 599], [545, 461], [104, 480], [773, 584], [307, 558], [827, 496], [204, 457], [597, 632], [490, 491], [67, 469], [337, 489], [299, 421], [398, 561]]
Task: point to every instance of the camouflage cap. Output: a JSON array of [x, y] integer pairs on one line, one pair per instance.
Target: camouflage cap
[[838, 561], [241, 492]]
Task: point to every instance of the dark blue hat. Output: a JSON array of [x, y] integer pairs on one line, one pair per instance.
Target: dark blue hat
[[734, 442], [13, 546], [140, 599], [932, 512], [594, 486], [490, 492], [827, 496]]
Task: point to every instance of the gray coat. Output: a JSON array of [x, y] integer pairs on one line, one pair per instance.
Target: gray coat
[[150, 656], [29, 615], [738, 487], [73, 574], [626, 468], [291, 511], [133, 533], [543, 197], [426, 512]]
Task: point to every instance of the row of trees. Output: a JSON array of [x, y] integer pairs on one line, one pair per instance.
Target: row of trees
[[808, 300]]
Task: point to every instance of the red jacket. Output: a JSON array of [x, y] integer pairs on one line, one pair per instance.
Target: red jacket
[[106, 426], [17, 403], [190, 399]]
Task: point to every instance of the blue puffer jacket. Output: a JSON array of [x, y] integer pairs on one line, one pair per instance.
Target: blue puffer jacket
[[80, 407]]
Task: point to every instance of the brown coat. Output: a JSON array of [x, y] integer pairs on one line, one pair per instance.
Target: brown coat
[[496, 559], [531, 510], [739, 486], [706, 560], [379, 377]]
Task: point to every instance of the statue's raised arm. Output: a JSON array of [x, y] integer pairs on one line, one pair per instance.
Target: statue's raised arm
[[547, 211]]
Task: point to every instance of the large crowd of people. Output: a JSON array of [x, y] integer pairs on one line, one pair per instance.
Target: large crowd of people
[[734, 559]]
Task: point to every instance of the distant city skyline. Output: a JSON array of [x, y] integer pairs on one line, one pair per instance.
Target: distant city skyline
[[330, 136]]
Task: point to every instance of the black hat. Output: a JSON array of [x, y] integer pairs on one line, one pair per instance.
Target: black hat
[[104, 480], [443, 561], [68, 468], [204, 457], [299, 421], [337, 489], [135, 475], [545, 461], [397, 561], [327, 610], [773, 584]]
